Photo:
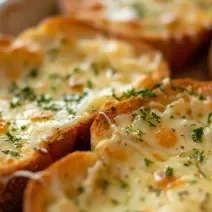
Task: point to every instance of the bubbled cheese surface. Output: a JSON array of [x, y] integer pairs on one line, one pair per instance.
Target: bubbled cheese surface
[[156, 158], [56, 82]]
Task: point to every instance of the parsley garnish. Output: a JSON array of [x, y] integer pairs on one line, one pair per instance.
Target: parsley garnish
[[144, 112], [15, 102], [95, 69], [209, 117], [172, 116], [148, 162], [12, 137], [202, 97], [10, 152], [76, 70], [33, 73], [151, 124], [13, 87], [169, 171], [156, 117], [144, 93], [89, 84], [123, 184], [197, 134], [134, 130], [139, 9], [198, 155]]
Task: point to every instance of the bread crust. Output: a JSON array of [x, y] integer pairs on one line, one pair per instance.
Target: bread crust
[[69, 139], [79, 162], [178, 46]]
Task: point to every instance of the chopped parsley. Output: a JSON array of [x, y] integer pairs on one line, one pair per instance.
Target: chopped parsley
[[198, 155], [139, 9], [155, 117], [197, 134], [53, 53], [144, 112], [186, 90], [89, 84], [51, 106], [95, 69], [14, 139], [209, 117], [76, 70], [13, 87], [172, 116], [33, 73], [10, 152], [169, 171], [45, 102], [133, 130], [15, 102], [123, 184], [202, 97], [144, 93], [151, 124], [151, 117], [194, 154], [148, 162]]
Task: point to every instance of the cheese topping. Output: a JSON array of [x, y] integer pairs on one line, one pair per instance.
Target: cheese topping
[[160, 15], [153, 160], [68, 79]]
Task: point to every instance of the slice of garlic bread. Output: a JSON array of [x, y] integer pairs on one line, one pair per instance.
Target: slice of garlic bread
[[179, 28], [150, 154], [54, 78]]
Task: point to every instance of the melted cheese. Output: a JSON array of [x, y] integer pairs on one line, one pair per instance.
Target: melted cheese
[[71, 79], [153, 160], [160, 15]]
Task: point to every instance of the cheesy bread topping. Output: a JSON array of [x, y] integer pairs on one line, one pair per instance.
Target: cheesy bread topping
[[50, 84], [157, 158], [160, 15]]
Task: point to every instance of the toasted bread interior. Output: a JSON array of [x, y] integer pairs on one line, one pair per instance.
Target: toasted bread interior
[[154, 155]]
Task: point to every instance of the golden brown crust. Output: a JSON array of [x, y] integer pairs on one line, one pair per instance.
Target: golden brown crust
[[78, 162], [178, 47]]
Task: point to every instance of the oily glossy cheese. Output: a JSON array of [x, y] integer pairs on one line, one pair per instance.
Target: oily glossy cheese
[[50, 84], [156, 158], [160, 15]]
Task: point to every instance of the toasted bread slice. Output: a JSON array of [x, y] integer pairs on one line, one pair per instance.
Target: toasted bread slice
[[151, 154], [178, 28], [54, 79]]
